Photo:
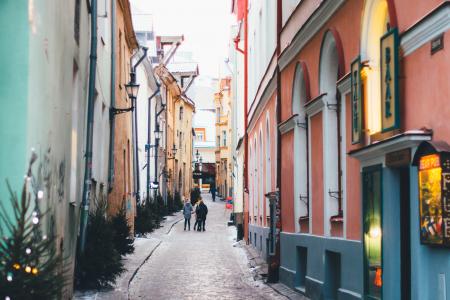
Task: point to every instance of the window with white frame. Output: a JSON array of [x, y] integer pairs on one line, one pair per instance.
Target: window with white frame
[[301, 197]]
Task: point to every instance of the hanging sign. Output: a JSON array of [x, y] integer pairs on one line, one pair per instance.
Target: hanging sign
[[390, 112], [356, 101], [434, 195]]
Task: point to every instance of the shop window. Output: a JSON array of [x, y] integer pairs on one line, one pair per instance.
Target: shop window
[[433, 162], [373, 272]]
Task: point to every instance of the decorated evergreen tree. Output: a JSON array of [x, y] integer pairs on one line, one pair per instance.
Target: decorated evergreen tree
[[100, 263], [30, 267], [123, 237]]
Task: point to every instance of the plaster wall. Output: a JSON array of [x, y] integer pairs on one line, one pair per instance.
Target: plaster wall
[[425, 91], [287, 188], [267, 113], [43, 86], [316, 175], [122, 192]]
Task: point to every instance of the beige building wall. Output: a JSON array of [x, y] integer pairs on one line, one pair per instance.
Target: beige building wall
[[122, 192]]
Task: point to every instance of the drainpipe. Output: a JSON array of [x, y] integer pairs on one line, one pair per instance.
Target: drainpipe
[[149, 139], [245, 111], [90, 128], [113, 97], [274, 261], [135, 128]]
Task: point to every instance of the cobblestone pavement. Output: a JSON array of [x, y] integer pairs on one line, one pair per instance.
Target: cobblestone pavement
[[199, 265]]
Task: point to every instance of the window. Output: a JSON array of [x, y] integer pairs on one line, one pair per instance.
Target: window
[[224, 136], [218, 141], [181, 113], [329, 73], [301, 197], [199, 136], [218, 114]]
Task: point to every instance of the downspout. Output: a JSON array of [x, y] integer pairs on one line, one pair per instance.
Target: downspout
[[113, 97], [90, 128], [338, 112], [245, 111], [135, 128], [274, 263], [149, 130]]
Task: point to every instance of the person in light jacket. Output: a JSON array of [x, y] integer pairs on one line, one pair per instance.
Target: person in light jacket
[[187, 212]]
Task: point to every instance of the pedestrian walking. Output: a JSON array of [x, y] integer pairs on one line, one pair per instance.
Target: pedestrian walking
[[197, 215], [187, 212], [212, 190], [203, 211]]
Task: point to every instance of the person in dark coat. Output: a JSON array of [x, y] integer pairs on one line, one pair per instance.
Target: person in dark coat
[[197, 215], [212, 190], [203, 211]]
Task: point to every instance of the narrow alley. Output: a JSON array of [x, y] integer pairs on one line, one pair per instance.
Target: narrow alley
[[199, 265], [316, 131]]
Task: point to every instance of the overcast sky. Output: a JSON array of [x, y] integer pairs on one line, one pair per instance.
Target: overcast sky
[[205, 25]]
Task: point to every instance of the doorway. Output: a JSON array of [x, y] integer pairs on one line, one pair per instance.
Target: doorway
[[405, 234]]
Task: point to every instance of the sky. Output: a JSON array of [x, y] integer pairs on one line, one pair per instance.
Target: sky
[[205, 25]]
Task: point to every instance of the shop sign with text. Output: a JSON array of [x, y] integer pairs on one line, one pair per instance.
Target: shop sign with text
[[390, 114], [356, 101]]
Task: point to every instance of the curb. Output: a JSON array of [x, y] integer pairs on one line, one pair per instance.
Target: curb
[[173, 224], [138, 268]]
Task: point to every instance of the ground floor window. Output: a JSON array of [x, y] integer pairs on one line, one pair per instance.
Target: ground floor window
[[372, 191]]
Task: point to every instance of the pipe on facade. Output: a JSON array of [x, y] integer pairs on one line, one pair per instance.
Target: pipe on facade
[[135, 128], [338, 112], [274, 262], [113, 97], [90, 128], [149, 138], [246, 96]]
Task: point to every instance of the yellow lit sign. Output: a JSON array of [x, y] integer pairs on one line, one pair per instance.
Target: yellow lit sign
[[429, 162]]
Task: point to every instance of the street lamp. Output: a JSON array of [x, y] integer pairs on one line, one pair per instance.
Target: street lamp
[[197, 155], [174, 152], [132, 89]]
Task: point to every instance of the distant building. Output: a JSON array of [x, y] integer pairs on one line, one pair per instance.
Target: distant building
[[205, 129], [224, 160]]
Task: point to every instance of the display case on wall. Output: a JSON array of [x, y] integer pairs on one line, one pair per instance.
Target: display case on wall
[[433, 162]]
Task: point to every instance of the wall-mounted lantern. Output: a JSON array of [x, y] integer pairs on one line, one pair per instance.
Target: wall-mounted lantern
[[433, 162]]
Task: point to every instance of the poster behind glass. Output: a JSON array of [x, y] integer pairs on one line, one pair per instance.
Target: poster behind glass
[[430, 174]]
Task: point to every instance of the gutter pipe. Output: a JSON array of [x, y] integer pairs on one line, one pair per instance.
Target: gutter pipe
[[113, 97], [149, 138], [135, 129], [90, 128]]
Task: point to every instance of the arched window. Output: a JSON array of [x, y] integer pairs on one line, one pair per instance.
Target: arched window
[[251, 184], [329, 74], [299, 98], [261, 178], [375, 25], [268, 166], [255, 180]]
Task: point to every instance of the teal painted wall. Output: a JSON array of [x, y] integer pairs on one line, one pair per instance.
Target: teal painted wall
[[13, 94]]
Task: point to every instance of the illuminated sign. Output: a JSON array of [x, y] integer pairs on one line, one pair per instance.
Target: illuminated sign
[[356, 101], [434, 197], [390, 114]]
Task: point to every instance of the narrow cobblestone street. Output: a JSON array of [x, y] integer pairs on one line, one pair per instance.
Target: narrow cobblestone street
[[199, 265]]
